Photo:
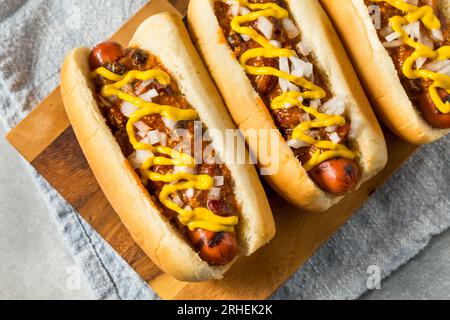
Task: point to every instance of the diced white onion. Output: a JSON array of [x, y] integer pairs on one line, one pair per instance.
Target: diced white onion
[[393, 44], [245, 37], [412, 29], [149, 95], [171, 124], [305, 117], [314, 103], [290, 28], [334, 137], [133, 161], [334, 106], [445, 70], [243, 10], [188, 208], [393, 36], [189, 193], [426, 40], [284, 67], [437, 65], [142, 156], [184, 169], [304, 47], [420, 62], [305, 67], [177, 200], [293, 87], [331, 129], [386, 30], [234, 7], [143, 85], [128, 108], [163, 136], [265, 26], [275, 43], [154, 137], [141, 126], [297, 144], [219, 181], [214, 194], [436, 35]]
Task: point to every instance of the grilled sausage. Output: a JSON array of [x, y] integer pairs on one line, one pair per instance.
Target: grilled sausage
[[106, 52], [337, 176], [216, 248], [432, 114]]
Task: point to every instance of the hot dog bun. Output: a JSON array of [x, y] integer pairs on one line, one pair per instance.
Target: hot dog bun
[[377, 71], [291, 181], [164, 36]]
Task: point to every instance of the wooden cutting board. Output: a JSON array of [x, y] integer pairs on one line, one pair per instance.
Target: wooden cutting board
[[47, 141]]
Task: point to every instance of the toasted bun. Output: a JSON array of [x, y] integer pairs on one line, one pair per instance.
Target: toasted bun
[[165, 37], [250, 112], [378, 71]]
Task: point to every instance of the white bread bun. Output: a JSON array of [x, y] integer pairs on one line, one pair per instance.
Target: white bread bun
[[164, 36], [249, 111], [378, 72]]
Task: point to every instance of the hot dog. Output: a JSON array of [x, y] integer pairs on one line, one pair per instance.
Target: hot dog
[[401, 50], [134, 111], [279, 65]]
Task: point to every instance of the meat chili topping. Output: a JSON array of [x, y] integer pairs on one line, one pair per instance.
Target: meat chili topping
[[419, 49], [155, 127], [282, 69]]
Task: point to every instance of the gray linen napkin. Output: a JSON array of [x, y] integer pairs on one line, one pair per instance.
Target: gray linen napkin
[[395, 224]]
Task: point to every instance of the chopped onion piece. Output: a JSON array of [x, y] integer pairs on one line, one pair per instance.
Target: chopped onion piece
[[331, 129], [334, 137], [412, 29], [163, 136], [386, 30], [393, 36], [425, 40], [437, 65], [265, 26], [219, 181], [436, 35], [290, 28], [314, 103], [244, 10], [184, 169], [141, 126], [128, 89], [234, 7], [128, 108], [215, 194], [149, 95], [142, 156], [284, 67], [297, 144], [334, 106], [420, 62], [143, 85], [305, 117], [177, 200], [154, 137], [393, 44], [293, 87], [245, 37], [299, 64], [189, 193], [304, 47], [188, 208], [171, 124], [275, 43], [133, 161]]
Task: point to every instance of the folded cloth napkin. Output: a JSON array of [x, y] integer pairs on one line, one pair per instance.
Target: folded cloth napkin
[[395, 224]]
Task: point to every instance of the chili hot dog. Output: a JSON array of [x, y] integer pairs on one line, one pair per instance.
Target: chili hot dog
[[135, 112], [280, 66]]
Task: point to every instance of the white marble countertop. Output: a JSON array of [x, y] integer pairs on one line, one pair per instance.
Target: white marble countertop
[[35, 263]]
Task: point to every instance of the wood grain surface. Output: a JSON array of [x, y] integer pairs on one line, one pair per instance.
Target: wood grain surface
[[46, 140]]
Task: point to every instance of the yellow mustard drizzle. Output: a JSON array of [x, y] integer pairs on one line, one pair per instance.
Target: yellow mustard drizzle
[[197, 217], [267, 50], [431, 22]]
